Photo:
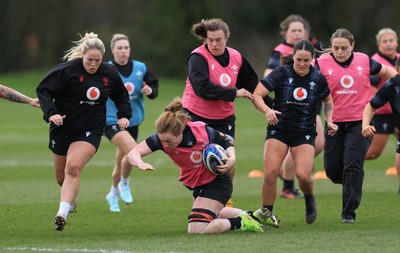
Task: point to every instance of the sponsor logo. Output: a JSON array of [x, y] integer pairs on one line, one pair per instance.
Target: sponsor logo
[[225, 80], [300, 94], [346, 81], [93, 93], [130, 87], [196, 157]]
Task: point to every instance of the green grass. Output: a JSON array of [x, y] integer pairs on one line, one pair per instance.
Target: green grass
[[156, 221]]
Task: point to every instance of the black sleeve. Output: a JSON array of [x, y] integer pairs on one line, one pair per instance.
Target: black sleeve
[[154, 142], [374, 80], [197, 72], [274, 61], [247, 77], [374, 66], [152, 81], [382, 95], [47, 89], [218, 137]]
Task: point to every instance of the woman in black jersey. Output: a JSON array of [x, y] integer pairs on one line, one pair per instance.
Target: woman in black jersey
[[73, 98], [298, 88], [388, 93]]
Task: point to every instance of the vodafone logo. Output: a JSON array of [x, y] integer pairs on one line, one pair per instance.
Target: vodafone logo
[[225, 80], [93, 93], [300, 94], [346, 81], [196, 157], [130, 87]]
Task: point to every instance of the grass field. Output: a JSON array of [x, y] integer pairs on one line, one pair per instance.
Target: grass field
[[156, 221]]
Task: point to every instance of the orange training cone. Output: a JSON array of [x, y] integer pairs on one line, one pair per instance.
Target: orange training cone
[[320, 175], [255, 174], [391, 171]]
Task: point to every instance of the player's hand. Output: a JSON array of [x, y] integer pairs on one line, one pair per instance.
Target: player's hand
[[123, 123], [34, 102], [146, 90], [57, 119], [332, 129], [145, 166], [243, 93], [368, 131], [271, 117]]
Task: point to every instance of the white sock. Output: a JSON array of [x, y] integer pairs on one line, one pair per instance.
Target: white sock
[[124, 181], [64, 209], [113, 190]]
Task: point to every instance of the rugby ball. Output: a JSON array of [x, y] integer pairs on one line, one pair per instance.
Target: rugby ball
[[212, 157]]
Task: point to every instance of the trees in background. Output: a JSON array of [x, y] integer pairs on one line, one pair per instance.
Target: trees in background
[[36, 33]]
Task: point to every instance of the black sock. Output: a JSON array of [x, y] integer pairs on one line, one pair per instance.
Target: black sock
[[269, 207], [308, 197], [288, 184], [235, 222]]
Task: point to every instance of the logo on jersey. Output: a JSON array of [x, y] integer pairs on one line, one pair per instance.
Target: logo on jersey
[[130, 87], [359, 68], [346, 81], [105, 80], [81, 78], [139, 74], [312, 85], [195, 157], [88, 133], [93, 93], [225, 80], [235, 69], [300, 94]]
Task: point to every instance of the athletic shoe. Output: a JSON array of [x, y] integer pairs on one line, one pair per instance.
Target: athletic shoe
[[59, 222], [73, 207], [125, 193], [266, 217], [347, 219], [249, 224], [112, 201], [229, 203], [311, 211], [291, 194]]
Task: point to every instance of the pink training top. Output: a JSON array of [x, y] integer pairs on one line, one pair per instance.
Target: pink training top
[[222, 76], [386, 109], [350, 87], [284, 49], [193, 172]]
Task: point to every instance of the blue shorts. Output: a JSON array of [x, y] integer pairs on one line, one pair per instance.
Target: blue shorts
[[112, 130], [59, 144]]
